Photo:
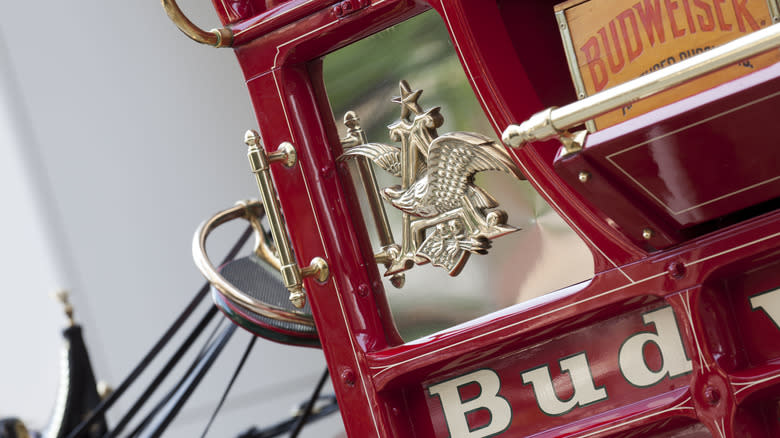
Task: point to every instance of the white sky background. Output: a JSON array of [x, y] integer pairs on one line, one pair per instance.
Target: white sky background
[[118, 135], [28, 320]]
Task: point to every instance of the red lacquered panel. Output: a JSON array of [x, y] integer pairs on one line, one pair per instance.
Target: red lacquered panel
[[635, 360], [743, 308], [691, 162]]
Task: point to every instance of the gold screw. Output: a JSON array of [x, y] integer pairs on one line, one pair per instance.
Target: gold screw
[[647, 234], [584, 176]]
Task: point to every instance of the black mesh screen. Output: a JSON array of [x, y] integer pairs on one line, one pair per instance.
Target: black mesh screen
[[254, 278]]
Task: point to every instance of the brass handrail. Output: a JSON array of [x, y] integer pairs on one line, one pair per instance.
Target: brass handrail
[[555, 121], [260, 162], [248, 211], [222, 37]]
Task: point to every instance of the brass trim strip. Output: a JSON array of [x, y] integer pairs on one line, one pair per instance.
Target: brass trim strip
[[199, 254], [571, 60], [571, 55], [774, 10], [553, 121], [222, 37]]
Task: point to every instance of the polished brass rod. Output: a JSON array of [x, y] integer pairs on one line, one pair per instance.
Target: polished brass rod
[[381, 222], [291, 274], [356, 136], [221, 37], [553, 121], [275, 219]]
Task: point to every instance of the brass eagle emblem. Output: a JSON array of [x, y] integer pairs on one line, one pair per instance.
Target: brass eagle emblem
[[446, 216]]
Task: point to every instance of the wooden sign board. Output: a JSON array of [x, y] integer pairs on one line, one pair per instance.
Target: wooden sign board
[[609, 42]]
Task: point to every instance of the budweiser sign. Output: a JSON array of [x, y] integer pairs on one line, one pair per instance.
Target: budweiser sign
[[615, 41], [638, 357]]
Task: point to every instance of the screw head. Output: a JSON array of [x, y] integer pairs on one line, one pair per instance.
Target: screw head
[[338, 11], [711, 395], [289, 154], [647, 234], [363, 290], [348, 377], [584, 176], [676, 270]]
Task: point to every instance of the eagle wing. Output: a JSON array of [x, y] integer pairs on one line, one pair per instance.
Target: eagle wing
[[454, 158], [385, 156]]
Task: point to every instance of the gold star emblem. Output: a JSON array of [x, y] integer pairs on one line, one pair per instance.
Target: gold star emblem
[[408, 100]]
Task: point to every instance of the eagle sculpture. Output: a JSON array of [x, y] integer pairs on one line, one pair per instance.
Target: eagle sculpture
[[453, 160], [446, 217]]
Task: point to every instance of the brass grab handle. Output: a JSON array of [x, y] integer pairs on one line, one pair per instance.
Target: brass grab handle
[[221, 37], [292, 274], [250, 211]]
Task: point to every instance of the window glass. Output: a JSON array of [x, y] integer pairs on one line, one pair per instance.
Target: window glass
[[364, 77]]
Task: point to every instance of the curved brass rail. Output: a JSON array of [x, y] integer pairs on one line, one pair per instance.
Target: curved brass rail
[[221, 37], [249, 211]]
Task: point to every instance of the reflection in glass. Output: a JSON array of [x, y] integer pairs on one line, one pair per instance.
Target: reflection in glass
[[364, 77]]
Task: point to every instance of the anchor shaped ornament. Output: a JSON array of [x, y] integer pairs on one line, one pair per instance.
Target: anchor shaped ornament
[[446, 216]]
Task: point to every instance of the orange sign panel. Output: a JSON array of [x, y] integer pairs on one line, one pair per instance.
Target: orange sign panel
[[614, 41]]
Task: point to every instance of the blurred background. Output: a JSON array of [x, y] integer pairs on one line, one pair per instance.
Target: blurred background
[[118, 136]]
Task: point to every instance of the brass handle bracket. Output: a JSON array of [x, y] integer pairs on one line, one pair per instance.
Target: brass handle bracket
[[390, 250], [260, 162], [222, 37], [540, 126]]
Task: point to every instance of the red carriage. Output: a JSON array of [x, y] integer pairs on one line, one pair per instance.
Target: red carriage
[[673, 334], [667, 176]]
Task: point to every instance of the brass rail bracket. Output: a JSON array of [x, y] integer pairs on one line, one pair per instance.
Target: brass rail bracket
[[540, 126]]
